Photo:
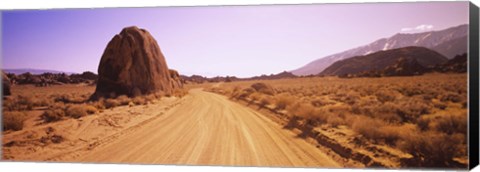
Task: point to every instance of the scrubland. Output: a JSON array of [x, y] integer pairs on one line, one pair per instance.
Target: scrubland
[[418, 121], [60, 102], [424, 117]]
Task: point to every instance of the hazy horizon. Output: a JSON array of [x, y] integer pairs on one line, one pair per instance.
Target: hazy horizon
[[240, 41]]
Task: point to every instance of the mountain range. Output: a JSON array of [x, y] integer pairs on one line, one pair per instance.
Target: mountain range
[[400, 61], [448, 42]]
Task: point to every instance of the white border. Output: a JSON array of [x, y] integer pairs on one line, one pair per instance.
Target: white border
[[49, 4], [74, 167]]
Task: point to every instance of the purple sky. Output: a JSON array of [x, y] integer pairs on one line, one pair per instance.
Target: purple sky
[[229, 40]]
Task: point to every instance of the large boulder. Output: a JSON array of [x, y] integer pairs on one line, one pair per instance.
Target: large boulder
[[132, 64], [5, 85]]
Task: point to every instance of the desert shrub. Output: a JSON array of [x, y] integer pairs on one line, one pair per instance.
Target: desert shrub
[[282, 101], [378, 130], [386, 112], [334, 120], [139, 100], [265, 100], [235, 92], [386, 95], [366, 91], [340, 109], [412, 108], [410, 91], [160, 94], [90, 109], [293, 109], [321, 101], [432, 149], [303, 110], [18, 103], [64, 98], [450, 123], [263, 88], [9, 104], [111, 103], [367, 127], [41, 101], [292, 122], [123, 100], [429, 93], [13, 120], [453, 97], [365, 105], [350, 97], [180, 93], [52, 115], [76, 111], [254, 97], [321, 115], [69, 98], [99, 105], [389, 117], [245, 93], [152, 97], [439, 105], [423, 123], [26, 101]]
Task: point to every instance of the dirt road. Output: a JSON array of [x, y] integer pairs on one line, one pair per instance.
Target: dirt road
[[209, 129]]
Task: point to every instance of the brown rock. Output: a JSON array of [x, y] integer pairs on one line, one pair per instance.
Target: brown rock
[[176, 81], [5, 85], [132, 64]]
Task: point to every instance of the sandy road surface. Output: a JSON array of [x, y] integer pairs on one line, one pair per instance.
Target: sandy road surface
[[209, 129]]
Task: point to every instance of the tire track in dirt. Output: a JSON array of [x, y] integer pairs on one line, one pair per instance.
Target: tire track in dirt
[[209, 129]]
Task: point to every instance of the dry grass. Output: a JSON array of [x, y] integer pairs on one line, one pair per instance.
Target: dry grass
[[13, 120], [283, 101], [384, 110], [265, 101], [63, 102], [139, 100], [111, 103], [123, 100], [76, 111], [180, 92], [263, 88], [433, 149], [53, 115]]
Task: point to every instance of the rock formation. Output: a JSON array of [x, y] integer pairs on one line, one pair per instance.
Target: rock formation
[[176, 81], [405, 67], [132, 64], [5, 85]]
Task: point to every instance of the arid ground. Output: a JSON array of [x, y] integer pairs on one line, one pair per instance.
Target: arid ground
[[302, 122]]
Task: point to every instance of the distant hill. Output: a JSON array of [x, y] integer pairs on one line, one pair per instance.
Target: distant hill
[[410, 57], [34, 71], [456, 65], [280, 75], [202, 79], [448, 42]]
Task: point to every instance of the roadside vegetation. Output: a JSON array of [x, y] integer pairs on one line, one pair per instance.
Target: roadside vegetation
[[62, 102], [424, 116]]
